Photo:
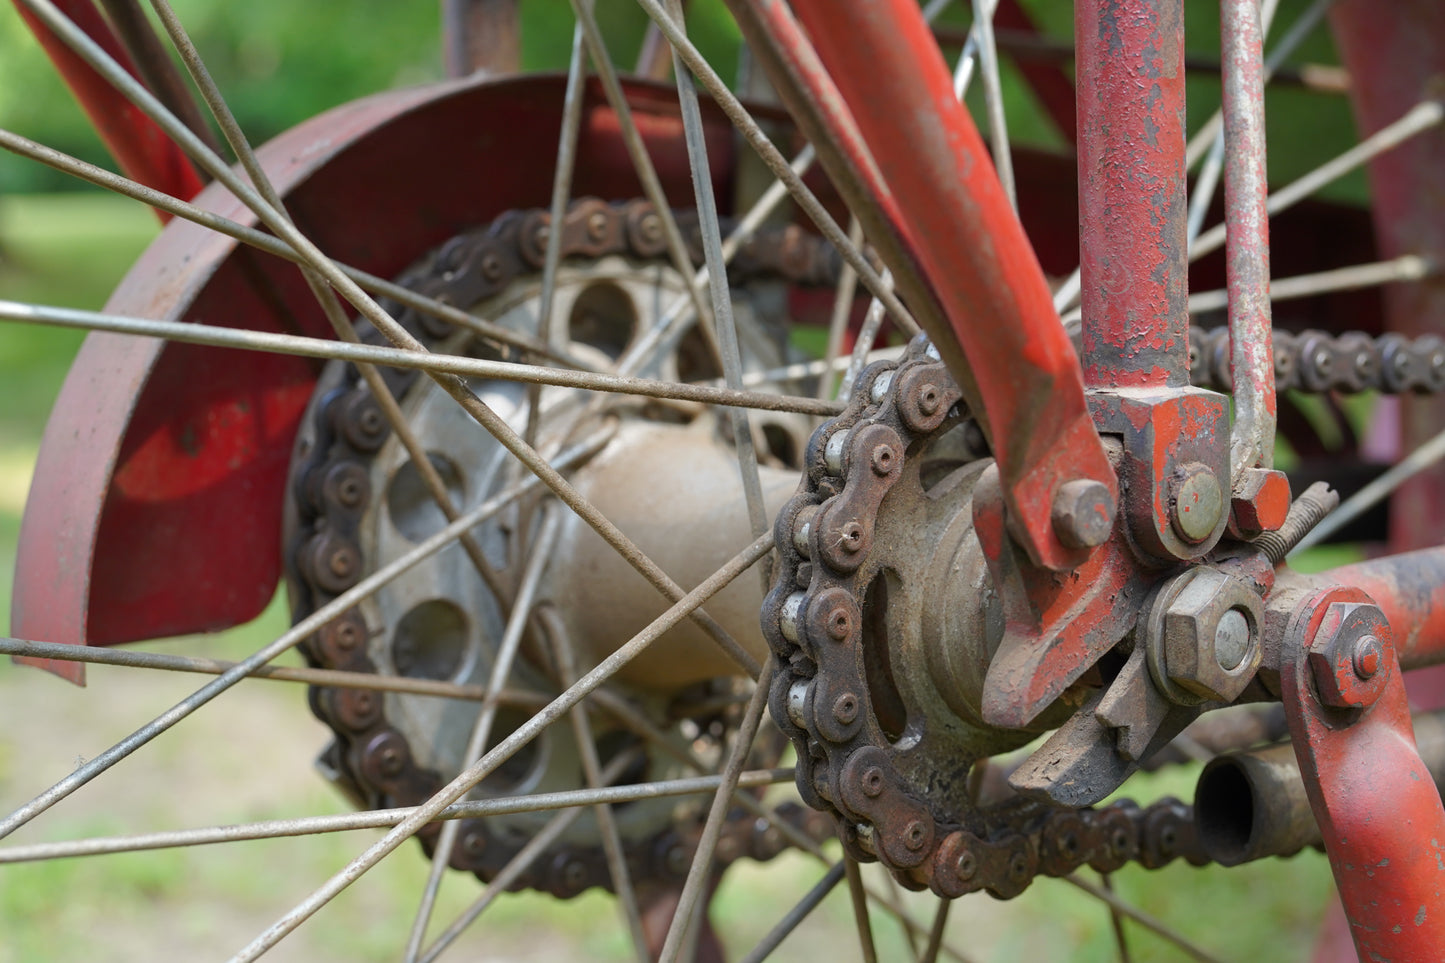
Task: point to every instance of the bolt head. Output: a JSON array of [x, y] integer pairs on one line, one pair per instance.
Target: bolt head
[[1083, 513], [1197, 502], [1261, 504]]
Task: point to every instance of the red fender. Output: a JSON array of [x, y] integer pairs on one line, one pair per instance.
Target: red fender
[[155, 509]]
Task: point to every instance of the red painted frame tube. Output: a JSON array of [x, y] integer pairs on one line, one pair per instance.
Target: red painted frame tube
[[1132, 208], [143, 152], [1410, 590], [955, 220]]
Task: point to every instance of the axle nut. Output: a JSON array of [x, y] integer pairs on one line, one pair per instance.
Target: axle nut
[[1083, 513], [1210, 646], [1351, 655]]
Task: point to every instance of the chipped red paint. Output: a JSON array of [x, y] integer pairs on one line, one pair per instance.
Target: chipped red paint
[[1376, 804], [142, 150], [956, 221], [156, 504], [1132, 210]]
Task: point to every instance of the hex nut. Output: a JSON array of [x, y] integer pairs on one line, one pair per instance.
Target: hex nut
[[1193, 658], [1261, 504], [1351, 656]]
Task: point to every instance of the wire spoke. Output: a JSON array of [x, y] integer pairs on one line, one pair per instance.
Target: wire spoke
[[561, 193], [432, 364], [1376, 491], [505, 749], [1417, 120], [1144, 919], [612, 846], [637, 152], [993, 98], [935, 932], [1116, 918], [797, 914], [701, 868], [336, 678], [1408, 267], [313, 622], [384, 818], [722, 311], [859, 899], [518, 864], [507, 648], [779, 165]]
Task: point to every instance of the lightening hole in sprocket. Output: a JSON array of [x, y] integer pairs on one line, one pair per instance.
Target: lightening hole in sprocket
[[430, 641], [603, 317], [410, 504]]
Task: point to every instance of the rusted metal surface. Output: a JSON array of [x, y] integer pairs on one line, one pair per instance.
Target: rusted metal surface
[[1393, 60], [142, 151], [157, 453], [481, 35], [1247, 245], [957, 224], [1378, 809], [1132, 208]]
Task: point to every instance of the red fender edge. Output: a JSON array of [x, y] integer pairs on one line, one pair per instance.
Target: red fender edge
[[155, 509]]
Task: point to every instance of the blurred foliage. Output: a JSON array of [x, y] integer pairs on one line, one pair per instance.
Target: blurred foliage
[[280, 62]]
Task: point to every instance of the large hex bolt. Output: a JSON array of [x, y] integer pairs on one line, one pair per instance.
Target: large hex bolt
[[1210, 647], [1352, 655]]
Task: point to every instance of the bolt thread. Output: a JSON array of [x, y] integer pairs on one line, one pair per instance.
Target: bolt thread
[[1308, 510]]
